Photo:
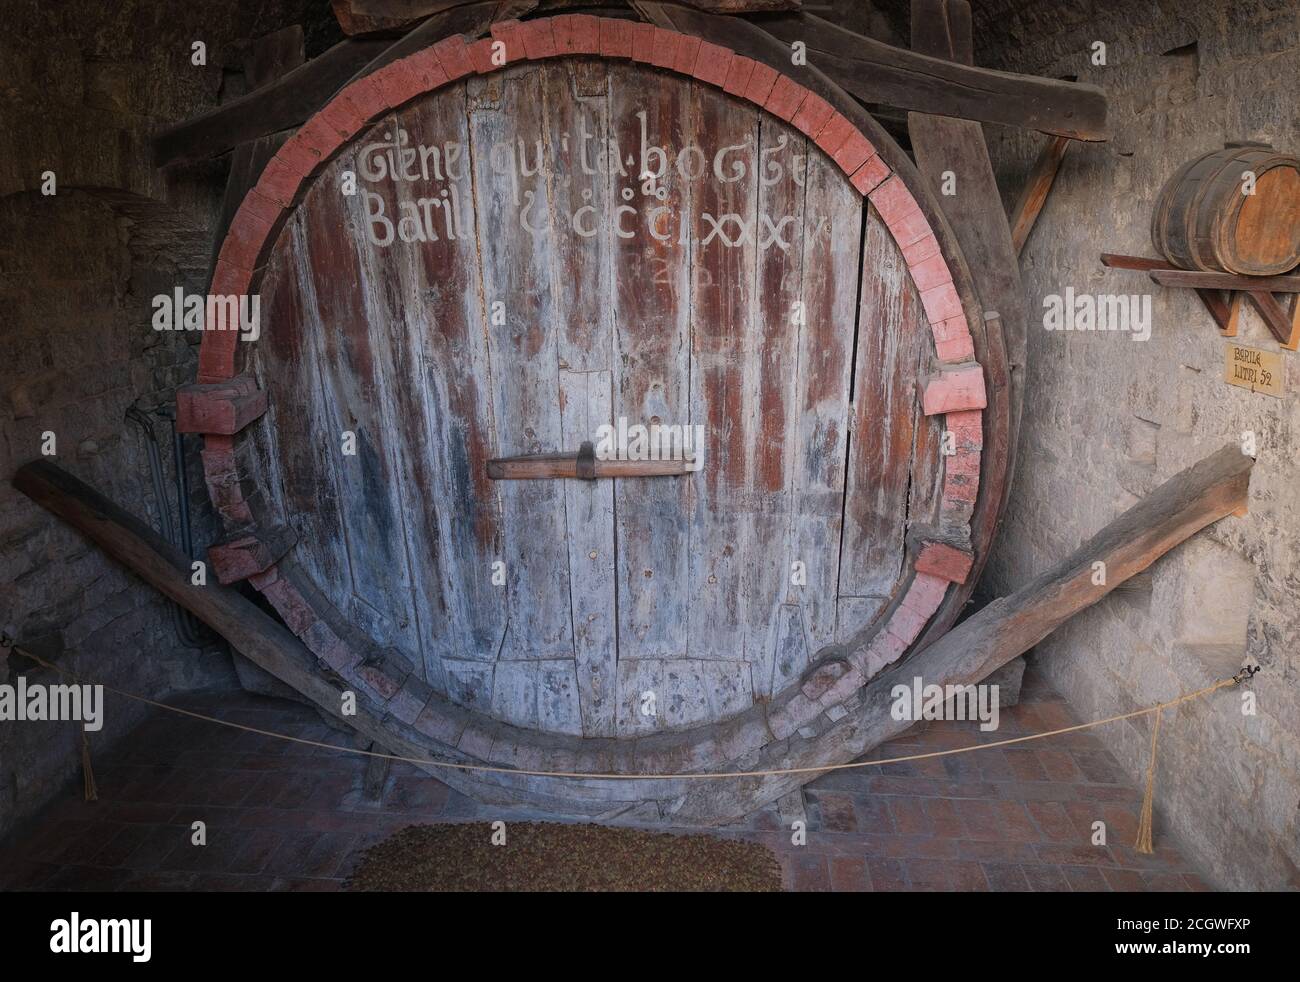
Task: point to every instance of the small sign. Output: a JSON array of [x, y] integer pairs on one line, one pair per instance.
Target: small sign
[[1251, 368]]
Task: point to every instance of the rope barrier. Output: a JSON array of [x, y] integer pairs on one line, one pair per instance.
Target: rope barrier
[[586, 775]]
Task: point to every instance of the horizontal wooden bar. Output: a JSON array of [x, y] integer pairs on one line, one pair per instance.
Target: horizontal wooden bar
[[1117, 260], [536, 467], [1195, 279]]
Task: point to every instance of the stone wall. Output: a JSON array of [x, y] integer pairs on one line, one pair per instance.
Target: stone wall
[[1107, 418], [85, 84]]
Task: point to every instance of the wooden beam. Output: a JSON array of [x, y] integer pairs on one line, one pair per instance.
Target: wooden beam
[[1225, 281], [1204, 493], [942, 145], [250, 631], [1037, 186], [280, 105], [469, 19], [291, 100], [877, 72], [1284, 324]]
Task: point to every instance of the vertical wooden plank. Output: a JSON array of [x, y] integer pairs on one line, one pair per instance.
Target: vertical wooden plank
[[772, 370], [586, 402], [512, 164], [833, 238], [448, 380], [582, 210], [890, 331], [353, 362], [292, 446], [652, 378], [724, 348]]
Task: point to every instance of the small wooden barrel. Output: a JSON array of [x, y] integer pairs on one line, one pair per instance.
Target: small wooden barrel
[[1205, 219]]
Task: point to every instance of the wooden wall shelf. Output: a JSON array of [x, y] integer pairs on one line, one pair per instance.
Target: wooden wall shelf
[[1222, 294]]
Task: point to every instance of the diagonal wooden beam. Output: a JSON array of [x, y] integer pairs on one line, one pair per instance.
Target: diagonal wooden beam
[[877, 72], [1201, 495], [1037, 187], [290, 100], [1284, 325]]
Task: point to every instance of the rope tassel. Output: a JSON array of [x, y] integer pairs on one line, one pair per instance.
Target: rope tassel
[[1143, 843]]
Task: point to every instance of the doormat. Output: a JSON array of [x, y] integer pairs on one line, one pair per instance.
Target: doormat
[[549, 856]]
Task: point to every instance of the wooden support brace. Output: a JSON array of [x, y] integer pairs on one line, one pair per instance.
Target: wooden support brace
[[1224, 306], [1037, 187], [1284, 325], [222, 408], [248, 553]]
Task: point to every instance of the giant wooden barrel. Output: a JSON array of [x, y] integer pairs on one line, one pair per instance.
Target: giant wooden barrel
[[621, 226], [1235, 210]]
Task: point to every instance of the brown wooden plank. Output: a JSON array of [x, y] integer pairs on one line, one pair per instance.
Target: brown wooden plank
[[1202, 494], [772, 373], [561, 466], [273, 56], [251, 631], [1225, 281], [355, 364], [586, 403], [877, 72], [651, 288], [1038, 184], [1284, 325], [290, 458], [517, 260], [891, 327], [832, 237], [724, 349], [283, 104]]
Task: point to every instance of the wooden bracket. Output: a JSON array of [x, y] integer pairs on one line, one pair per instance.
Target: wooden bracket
[[1222, 293], [1038, 185]]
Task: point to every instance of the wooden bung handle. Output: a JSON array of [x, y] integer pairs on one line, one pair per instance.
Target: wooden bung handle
[[583, 465]]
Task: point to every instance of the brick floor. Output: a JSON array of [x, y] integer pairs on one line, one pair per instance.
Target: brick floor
[[281, 816]]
